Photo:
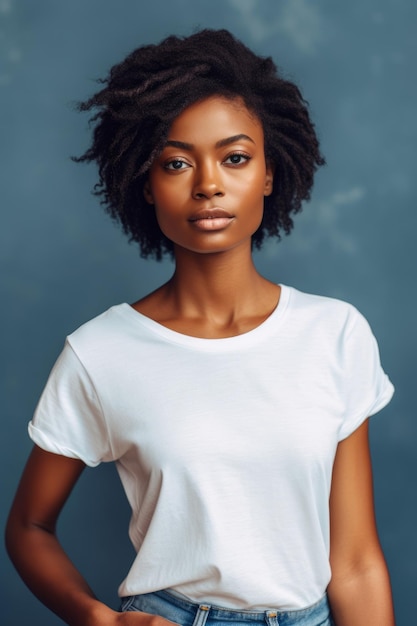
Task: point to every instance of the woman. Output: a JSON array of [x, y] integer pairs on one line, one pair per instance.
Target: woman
[[235, 409]]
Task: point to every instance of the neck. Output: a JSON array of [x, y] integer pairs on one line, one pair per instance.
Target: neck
[[221, 284], [212, 295]]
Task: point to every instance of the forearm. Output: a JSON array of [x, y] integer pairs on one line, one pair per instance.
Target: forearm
[[51, 576], [362, 597]]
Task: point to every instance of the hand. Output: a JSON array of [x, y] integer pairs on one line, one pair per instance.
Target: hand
[[132, 618], [137, 618]]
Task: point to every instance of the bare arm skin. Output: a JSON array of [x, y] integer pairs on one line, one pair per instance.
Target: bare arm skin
[[32, 544], [359, 592]]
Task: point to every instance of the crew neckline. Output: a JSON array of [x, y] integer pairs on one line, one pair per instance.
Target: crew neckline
[[254, 335]]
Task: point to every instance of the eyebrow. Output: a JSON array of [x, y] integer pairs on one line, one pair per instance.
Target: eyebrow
[[220, 144]]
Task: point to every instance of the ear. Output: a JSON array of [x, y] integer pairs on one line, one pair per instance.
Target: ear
[[147, 193], [269, 179]]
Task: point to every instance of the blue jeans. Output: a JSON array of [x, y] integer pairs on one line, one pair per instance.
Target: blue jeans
[[179, 610]]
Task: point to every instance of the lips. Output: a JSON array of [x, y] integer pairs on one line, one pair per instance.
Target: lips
[[210, 214], [210, 219]]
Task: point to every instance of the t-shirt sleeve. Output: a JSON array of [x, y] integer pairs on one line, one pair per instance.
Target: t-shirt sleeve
[[367, 387], [68, 419]]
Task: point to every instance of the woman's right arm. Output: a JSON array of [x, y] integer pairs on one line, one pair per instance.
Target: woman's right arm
[[31, 540]]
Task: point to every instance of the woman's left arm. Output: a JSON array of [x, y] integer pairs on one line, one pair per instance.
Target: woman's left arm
[[359, 591]]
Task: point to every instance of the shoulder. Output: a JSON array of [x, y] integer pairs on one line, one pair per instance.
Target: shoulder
[[102, 332], [329, 313]]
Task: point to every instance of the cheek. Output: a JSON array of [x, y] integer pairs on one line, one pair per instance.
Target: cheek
[[252, 189], [162, 201], [167, 191], [167, 213], [164, 217]]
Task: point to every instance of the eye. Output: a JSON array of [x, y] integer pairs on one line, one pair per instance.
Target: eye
[[237, 158], [175, 165]]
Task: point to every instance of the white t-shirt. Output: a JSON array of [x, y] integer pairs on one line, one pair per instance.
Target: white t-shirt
[[224, 447]]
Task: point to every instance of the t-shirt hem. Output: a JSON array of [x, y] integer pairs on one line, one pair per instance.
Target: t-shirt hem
[[42, 441], [380, 403]]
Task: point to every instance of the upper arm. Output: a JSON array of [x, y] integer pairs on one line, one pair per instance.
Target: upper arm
[[46, 483], [353, 534]]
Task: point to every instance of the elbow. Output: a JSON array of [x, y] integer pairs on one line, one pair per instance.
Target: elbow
[[21, 532], [14, 534], [369, 572], [12, 537], [362, 594]]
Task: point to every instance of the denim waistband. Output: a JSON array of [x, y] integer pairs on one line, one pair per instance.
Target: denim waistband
[[181, 611]]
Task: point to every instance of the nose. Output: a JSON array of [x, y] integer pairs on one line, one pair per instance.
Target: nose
[[208, 181]]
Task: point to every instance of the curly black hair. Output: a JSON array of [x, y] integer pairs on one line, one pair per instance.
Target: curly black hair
[[145, 93]]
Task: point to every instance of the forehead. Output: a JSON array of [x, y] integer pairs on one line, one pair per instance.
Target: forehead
[[215, 118]]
